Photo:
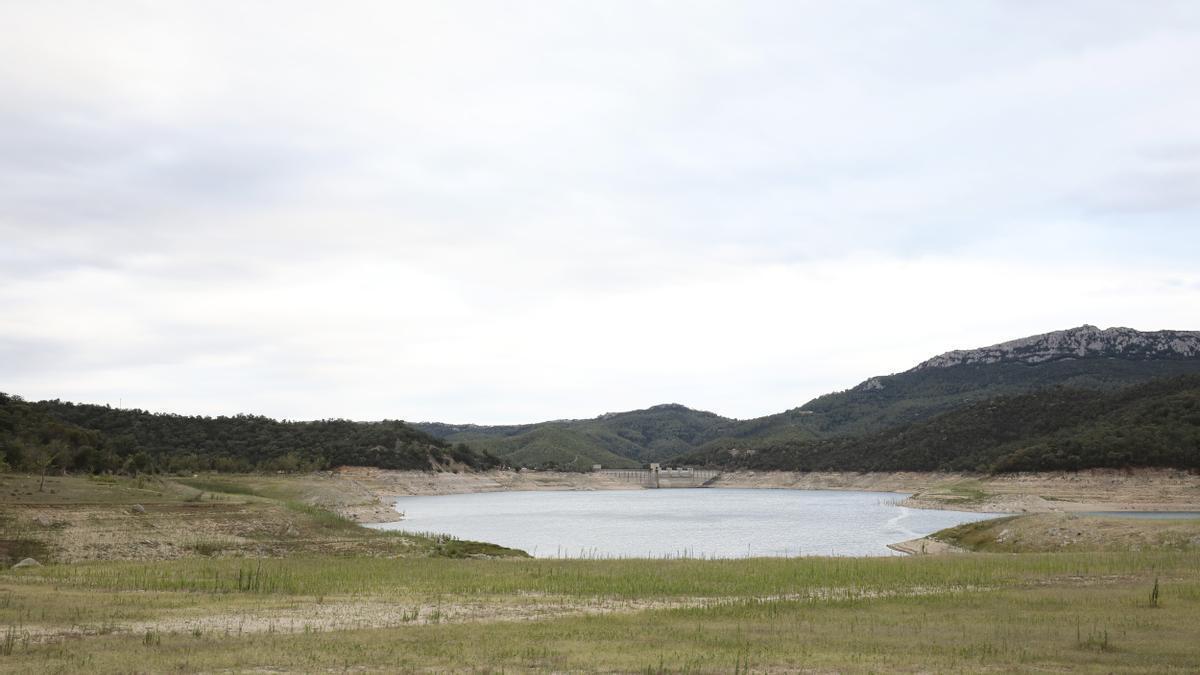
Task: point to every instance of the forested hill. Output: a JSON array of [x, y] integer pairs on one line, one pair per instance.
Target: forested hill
[[877, 424], [1151, 424], [80, 437], [1085, 357], [615, 440]]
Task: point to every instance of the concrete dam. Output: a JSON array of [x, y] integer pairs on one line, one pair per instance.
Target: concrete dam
[[657, 477]]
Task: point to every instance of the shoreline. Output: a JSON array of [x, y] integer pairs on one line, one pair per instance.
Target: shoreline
[[1091, 490]]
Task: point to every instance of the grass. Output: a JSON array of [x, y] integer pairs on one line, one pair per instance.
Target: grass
[[217, 485], [318, 575], [1084, 613], [93, 518], [965, 491], [18, 541], [22, 490], [267, 579]]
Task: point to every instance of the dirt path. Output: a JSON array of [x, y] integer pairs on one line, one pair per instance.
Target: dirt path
[[326, 616]]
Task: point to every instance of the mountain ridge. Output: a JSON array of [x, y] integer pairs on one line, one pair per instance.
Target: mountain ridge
[[1084, 357], [1084, 341]]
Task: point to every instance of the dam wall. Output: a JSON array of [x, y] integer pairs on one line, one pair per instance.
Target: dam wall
[[656, 477]]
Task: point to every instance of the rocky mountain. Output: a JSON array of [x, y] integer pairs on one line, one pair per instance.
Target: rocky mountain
[[1082, 358], [1076, 343]]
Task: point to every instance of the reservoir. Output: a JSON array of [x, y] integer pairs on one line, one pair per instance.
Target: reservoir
[[698, 523]]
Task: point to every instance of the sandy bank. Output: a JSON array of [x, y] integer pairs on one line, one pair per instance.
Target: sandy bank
[[1097, 490], [388, 485], [1094, 490], [925, 546]]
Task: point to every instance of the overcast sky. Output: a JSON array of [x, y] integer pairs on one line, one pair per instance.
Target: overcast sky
[[517, 211]]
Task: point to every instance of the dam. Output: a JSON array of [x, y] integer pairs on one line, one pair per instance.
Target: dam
[[658, 477]]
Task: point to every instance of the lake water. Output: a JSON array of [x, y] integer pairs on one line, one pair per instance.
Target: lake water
[[701, 522]]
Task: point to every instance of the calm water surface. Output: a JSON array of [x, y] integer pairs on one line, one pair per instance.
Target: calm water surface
[[702, 522]]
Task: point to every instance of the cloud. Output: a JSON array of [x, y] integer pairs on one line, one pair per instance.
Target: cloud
[[484, 212]]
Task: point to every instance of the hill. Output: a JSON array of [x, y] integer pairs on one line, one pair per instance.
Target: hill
[[1081, 358], [1151, 424], [1085, 358], [615, 440], [93, 438]]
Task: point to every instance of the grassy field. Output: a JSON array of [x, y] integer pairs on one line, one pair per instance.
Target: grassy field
[[387, 607], [1084, 612]]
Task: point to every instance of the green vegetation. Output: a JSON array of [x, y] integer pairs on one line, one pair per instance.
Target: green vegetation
[[1152, 424], [904, 398], [882, 407], [1076, 612], [54, 436], [550, 446], [223, 572], [889, 422], [617, 578], [615, 440]]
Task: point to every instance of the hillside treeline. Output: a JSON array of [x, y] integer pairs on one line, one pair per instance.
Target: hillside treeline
[[61, 436], [1151, 424], [880, 405]]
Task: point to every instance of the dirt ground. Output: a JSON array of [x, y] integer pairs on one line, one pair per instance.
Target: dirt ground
[[304, 615], [1055, 532], [74, 519]]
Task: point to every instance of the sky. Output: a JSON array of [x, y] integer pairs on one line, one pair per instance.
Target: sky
[[501, 212]]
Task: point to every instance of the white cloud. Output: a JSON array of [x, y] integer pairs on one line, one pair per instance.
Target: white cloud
[[507, 212]]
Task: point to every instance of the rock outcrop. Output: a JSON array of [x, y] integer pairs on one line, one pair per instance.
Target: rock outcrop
[[1082, 342]]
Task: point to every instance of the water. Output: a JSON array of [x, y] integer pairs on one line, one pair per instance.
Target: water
[[702, 522], [1148, 515]]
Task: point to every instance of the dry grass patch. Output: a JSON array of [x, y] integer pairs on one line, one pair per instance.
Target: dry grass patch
[[1073, 532]]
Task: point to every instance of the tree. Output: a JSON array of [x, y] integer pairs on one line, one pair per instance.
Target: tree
[[44, 456]]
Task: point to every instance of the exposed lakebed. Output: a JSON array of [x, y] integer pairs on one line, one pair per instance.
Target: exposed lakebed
[[1147, 515], [702, 522]]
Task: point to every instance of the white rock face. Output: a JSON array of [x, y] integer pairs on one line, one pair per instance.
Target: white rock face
[[1084, 341], [872, 384]]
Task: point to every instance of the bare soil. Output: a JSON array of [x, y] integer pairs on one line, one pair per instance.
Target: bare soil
[[1052, 532], [77, 519], [306, 615]]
